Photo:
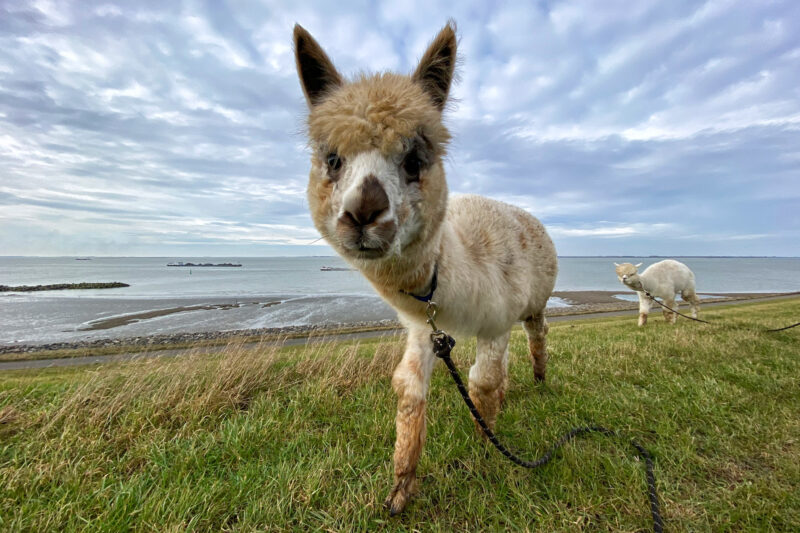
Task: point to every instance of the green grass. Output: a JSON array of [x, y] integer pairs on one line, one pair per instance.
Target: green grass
[[302, 439]]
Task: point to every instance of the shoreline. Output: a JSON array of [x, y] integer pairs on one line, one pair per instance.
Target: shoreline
[[581, 303]]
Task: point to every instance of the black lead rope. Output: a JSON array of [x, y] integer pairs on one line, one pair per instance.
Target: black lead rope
[[783, 328], [706, 321], [674, 311], [443, 344]]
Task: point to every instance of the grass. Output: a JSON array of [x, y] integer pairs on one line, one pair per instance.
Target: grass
[[301, 439]]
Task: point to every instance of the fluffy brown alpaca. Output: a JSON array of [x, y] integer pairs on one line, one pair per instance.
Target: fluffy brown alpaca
[[378, 195]]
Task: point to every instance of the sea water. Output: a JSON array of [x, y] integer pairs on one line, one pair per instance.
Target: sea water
[[275, 292]]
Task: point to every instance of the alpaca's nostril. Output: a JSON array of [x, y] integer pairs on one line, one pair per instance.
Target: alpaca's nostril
[[360, 219], [348, 218], [364, 216]]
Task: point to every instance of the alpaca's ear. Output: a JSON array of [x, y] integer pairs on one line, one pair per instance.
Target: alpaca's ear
[[317, 74], [616, 264], [436, 68], [637, 266]]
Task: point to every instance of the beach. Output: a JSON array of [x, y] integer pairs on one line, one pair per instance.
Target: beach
[[100, 333]]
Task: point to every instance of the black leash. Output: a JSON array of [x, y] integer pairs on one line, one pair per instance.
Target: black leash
[[673, 310], [783, 328], [653, 298], [443, 345]]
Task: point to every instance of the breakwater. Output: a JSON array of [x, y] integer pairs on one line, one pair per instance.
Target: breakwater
[[63, 286]]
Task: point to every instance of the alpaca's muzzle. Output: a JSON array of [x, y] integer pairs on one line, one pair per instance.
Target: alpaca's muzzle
[[363, 228]]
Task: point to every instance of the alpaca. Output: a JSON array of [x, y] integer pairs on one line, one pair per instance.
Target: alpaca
[[378, 195], [663, 280]]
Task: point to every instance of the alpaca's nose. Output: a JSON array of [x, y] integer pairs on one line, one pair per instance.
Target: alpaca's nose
[[364, 208]]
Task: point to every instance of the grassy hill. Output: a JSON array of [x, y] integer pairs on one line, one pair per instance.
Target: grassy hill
[[302, 438]]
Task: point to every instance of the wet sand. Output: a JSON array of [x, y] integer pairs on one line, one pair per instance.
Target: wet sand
[[108, 323], [130, 319]]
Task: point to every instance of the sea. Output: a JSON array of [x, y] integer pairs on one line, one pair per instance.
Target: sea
[[275, 292]]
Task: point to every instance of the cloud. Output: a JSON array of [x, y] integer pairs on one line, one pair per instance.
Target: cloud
[[607, 231], [151, 128]]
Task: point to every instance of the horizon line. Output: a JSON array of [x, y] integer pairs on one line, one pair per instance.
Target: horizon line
[[91, 256]]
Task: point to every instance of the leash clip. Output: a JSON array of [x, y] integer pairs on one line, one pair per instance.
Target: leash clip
[[442, 345], [430, 311], [442, 342]]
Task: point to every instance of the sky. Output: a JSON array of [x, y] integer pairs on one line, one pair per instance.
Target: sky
[[155, 128]]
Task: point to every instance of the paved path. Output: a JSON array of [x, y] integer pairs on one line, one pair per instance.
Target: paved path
[[98, 359]]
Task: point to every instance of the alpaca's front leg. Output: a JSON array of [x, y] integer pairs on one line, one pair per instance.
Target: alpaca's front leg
[[669, 316], [694, 301], [644, 308], [410, 382]]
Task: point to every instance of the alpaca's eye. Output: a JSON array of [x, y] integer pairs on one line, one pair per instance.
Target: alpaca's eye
[[412, 166], [334, 161]]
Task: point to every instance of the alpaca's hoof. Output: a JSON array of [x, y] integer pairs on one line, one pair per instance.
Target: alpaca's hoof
[[538, 377], [487, 405], [404, 488], [479, 430]]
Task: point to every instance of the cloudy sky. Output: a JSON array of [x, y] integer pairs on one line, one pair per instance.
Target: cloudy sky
[[628, 128]]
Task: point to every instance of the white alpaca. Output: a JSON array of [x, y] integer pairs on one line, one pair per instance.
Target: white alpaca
[[663, 280], [378, 195]]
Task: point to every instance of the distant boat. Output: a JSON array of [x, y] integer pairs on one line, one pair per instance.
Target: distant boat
[[182, 264], [334, 269]]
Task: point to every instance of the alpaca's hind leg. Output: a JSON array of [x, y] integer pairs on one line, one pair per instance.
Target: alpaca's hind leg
[[410, 382], [488, 377], [690, 296], [536, 328]]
